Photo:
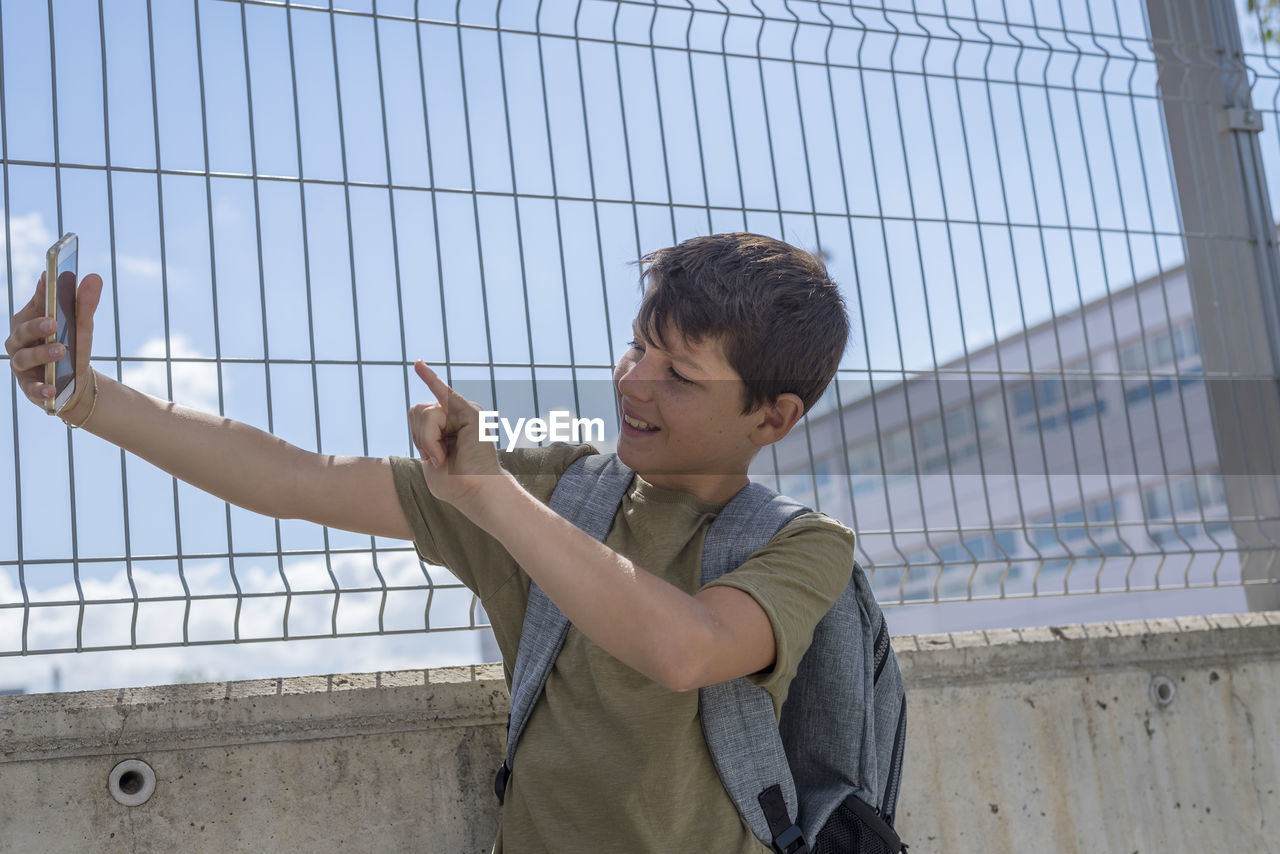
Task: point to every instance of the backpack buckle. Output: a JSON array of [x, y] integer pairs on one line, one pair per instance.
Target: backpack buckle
[[791, 841], [500, 782]]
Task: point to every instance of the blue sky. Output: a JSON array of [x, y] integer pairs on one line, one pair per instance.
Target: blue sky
[[953, 211]]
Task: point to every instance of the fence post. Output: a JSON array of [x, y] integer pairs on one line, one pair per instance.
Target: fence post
[[1232, 266]]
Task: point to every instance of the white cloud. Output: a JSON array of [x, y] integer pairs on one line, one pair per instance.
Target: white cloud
[[261, 617], [227, 215], [137, 266], [30, 238], [195, 384]]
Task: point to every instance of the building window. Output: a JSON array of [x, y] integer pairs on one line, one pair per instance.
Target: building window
[[865, 468], [1175, 353]]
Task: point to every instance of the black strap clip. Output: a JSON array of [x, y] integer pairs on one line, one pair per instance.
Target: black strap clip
[[500, 782], [791, 841], [787, 837]]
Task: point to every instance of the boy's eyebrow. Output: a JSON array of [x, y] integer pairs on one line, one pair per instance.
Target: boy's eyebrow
[[687, 361]]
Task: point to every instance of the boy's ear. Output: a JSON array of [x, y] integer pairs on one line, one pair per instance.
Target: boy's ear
[[776, 420]]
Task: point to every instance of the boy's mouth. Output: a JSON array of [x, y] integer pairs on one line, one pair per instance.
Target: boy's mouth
[[638, 424]]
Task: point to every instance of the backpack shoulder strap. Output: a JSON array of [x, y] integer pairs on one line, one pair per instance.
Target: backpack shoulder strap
[[588, 494], [737, 717], [744, 526]]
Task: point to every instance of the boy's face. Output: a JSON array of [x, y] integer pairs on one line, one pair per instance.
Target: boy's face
[[682, 414]]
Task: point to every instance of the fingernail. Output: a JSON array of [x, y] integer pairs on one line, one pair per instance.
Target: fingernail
[[48, 324], [47, 391], [58, 351]]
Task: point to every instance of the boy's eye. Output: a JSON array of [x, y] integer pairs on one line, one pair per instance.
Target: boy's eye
[[636, 345]]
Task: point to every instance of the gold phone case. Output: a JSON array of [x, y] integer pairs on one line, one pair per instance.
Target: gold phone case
[[51, 308]]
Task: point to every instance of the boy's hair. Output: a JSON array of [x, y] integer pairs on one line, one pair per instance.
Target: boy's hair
[[780, 318]]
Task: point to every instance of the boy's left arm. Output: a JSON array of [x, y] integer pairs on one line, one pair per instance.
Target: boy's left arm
[[681, 641]]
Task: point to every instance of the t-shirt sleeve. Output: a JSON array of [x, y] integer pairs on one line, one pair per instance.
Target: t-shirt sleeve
[[795, 578], [444, 536]]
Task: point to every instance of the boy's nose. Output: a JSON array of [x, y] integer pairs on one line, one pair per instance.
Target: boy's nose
[[633, 386], [636, 379]]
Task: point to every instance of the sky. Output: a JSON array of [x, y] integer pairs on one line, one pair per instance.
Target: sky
[[475, 197]]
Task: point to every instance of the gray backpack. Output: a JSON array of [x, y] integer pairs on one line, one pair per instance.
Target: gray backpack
[[834, 762]]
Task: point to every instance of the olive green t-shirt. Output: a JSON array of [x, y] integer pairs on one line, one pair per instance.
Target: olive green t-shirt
[[610, 761]]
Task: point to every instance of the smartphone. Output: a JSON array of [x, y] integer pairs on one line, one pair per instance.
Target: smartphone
[[60, 303]]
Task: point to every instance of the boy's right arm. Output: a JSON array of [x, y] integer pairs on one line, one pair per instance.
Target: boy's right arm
[[238, 463]]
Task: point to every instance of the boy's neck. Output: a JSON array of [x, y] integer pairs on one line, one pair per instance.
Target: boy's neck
[[713, 488]]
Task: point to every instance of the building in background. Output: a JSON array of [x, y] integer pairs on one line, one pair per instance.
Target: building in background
[[1075, 458]]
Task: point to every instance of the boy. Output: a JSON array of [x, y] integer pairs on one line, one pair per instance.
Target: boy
[[737, 335]]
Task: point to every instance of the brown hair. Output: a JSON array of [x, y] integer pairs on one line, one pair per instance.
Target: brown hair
[[780, 318]]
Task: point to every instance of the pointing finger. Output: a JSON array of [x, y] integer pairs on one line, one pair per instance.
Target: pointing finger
[[439, 387]]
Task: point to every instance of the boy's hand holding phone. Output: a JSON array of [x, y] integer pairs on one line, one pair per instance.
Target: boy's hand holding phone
[[33, 344]]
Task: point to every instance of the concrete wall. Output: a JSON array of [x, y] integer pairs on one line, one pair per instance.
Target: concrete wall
[[390, 762], [1054, 740], [1034, 740]]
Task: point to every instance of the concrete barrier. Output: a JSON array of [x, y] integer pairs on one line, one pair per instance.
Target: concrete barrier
[[1117, 737], [390, 762], [1145, 737]]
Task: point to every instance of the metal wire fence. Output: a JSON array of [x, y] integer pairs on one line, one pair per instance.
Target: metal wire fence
[[1049, 219]]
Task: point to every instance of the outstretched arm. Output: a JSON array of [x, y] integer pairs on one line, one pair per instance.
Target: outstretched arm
[[238, 463], [680, 641]]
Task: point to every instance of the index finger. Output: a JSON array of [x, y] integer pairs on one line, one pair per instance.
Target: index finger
[[35, 307], [29, 312], [439, 387]]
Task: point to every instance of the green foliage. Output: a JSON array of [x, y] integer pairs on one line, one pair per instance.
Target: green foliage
[[1267, 12]]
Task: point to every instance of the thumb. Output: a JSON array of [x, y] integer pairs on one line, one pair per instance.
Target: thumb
[[88, 295]]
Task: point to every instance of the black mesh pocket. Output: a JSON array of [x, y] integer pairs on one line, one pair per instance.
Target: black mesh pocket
[[854, 828]]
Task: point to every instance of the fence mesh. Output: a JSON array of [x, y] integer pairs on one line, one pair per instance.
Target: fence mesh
[[290, 202]]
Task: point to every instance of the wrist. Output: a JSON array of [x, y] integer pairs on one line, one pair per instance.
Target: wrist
[[490, 500], [84, 402]]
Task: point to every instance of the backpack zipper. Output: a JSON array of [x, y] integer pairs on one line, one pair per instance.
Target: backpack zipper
[[882, 650], [895, 764]]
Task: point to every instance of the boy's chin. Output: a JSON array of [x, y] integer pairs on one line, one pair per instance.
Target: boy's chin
[[658, 465], [638, 459], [628, 455]]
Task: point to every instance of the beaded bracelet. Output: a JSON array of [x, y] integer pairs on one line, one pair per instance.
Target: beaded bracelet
[[93, 406]]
